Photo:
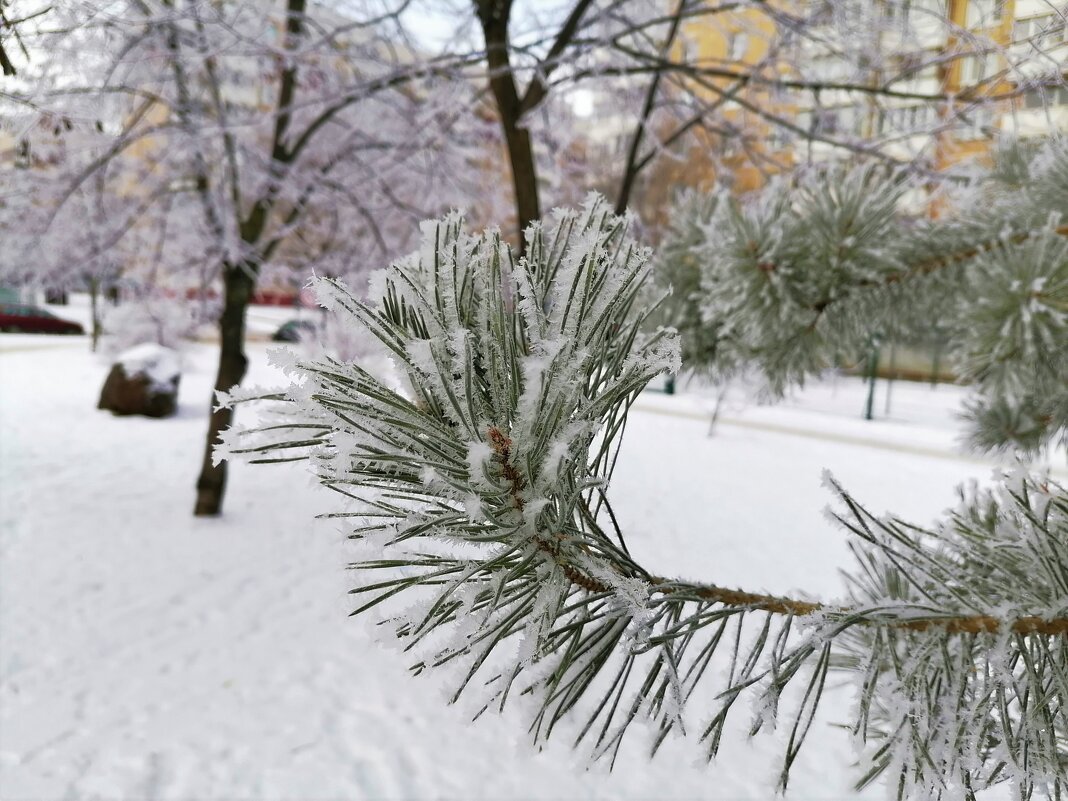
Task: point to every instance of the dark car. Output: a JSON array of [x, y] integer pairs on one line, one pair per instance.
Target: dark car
[[295, 331], [19, 318]]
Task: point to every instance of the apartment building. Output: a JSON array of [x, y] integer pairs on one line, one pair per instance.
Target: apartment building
[[934, 82]]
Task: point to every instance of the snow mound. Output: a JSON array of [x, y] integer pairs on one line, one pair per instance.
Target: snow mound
[[161, 365]]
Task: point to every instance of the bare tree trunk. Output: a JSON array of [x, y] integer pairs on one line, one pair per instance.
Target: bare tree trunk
[[524, 178], [238, 282], [494, 16], [94, 311], [721, 396]]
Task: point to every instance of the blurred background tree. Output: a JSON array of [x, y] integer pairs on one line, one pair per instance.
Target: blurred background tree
[[225, 151]]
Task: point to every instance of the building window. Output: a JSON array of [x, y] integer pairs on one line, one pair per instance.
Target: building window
[[827, 121], [1053, 31], [738, 45], [22, 153], [1043, 96], [1023, 29], [928, 73], [1036, 98], [830, 68], [972, 69], [983, 13], [977, 123], [928, 9], [777, 139], [907, 119], [899, 10], [1039, 33]]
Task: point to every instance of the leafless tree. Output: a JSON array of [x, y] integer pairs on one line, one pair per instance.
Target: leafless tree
[[222, 142]]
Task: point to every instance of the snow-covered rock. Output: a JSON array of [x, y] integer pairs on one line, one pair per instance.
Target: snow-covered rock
[[143, 380]]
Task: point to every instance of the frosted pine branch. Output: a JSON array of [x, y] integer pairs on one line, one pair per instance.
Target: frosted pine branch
[[479, 501], [801, 278]]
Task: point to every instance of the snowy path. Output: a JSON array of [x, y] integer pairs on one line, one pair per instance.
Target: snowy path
[[148, 655], [824, 436]]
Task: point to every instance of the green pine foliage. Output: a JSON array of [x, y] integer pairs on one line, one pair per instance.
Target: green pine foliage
[[677, 273], [801, 277], [477, 480]]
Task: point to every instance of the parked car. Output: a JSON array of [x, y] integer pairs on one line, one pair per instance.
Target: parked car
[[20, 318], [295, 331]]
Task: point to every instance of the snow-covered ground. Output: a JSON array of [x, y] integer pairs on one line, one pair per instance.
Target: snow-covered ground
[[145, 654]]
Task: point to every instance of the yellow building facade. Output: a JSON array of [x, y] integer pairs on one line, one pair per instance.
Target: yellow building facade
[[998, 62]]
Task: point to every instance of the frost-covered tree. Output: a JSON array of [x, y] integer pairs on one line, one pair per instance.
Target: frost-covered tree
[[801, 276], [207, 144], [215, 143], [478, 482]]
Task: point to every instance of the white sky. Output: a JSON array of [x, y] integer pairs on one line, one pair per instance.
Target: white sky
[[435, 22]]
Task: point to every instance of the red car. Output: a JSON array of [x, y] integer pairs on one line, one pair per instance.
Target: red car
[[18, 318]]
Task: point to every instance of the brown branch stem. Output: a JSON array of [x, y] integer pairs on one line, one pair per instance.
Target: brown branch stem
[[964, 624], [933, 265]]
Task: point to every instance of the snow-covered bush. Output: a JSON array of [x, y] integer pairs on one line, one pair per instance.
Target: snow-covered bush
[[481, 499], [164, 321]]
